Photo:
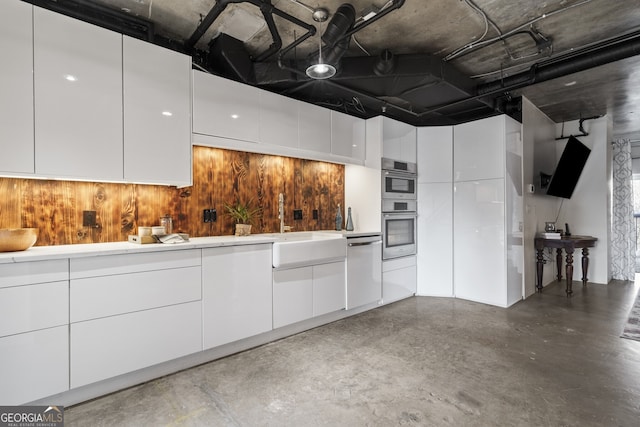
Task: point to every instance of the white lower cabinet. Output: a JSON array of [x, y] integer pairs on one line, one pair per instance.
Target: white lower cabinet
[[132, 311], [34, 325], [329, 288], [398, 278], [236, 293], [302, 293], [111, 346], [292, 296], [34, 365]]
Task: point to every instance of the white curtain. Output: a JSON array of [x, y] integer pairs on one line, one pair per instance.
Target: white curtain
[[623, 236]]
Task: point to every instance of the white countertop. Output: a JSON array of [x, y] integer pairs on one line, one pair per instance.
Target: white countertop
[[41, 253]]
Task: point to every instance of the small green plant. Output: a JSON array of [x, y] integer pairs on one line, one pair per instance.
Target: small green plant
[[242, 213]]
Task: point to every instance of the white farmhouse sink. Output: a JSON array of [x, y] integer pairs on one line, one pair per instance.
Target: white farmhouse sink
[[307, 248]]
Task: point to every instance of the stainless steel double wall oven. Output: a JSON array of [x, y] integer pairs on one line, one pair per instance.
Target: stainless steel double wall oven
[[399, 208]]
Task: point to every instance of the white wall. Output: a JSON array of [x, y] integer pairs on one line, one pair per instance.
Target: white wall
[[538, 152], [588, 210]]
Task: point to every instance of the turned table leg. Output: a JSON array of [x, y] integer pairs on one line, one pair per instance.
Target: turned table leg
[[559, 263], [539, 268], [569, 270], [585, 265]]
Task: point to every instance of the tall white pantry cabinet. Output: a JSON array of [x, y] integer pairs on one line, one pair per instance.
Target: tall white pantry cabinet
[[471, 214], [487, 211]]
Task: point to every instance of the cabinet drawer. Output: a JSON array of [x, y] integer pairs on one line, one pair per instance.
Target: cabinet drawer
[[31, 273], [132, 263], [104, 348], [96, 297], [28, 308], [34, 365]]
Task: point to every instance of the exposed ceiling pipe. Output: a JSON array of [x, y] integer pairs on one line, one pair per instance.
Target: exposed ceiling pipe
[[395, 4], [600, 54], [267, 10]]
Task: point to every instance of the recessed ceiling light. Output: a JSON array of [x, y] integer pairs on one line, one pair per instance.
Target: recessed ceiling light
[[571, 83], [167, 113], [70, 77], [234, 116]]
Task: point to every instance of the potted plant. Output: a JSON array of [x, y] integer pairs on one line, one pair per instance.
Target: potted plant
[[243, 214]]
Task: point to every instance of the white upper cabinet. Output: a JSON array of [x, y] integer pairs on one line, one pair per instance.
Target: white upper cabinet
[[16, 87], [398, 140], [435, 154], [78, 98], [479, 148], [314, 128], [278, 119], [225, 108], [348, 137], [157, 114]]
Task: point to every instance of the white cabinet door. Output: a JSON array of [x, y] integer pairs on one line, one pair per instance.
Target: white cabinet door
[[314, 128], [399, 140], [435, 239], [16, 87], [236, 287], [398, 278], [225, 108], [478, 150], [435, 154], [111, 346], [34, 365], [329, 291], [278, 119], [157, 114], [78, 98], [479, 241], [348, 137], [292, 295]]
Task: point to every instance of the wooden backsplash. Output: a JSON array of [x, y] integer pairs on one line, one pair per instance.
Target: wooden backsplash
[[219, 176]]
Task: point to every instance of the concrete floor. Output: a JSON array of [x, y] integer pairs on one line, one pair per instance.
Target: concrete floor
[[547, 361]]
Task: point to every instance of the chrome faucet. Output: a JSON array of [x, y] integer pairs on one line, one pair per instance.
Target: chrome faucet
[[283, 227]]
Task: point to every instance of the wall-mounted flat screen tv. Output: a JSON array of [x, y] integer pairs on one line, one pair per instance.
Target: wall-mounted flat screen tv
[[564, 179]]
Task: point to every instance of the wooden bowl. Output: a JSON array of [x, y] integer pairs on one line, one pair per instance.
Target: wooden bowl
[[17, 239]]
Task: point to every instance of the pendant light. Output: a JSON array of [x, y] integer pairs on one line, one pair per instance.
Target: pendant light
[[320, 70]]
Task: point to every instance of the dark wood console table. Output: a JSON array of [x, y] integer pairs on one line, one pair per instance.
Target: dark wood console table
[[569, 244]]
